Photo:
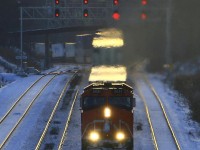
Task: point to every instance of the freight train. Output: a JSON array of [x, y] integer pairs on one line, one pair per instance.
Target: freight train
[[107, 116]]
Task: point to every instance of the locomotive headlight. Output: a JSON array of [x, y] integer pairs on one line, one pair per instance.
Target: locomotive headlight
[[120, 136], [107, 112], [94, 136]]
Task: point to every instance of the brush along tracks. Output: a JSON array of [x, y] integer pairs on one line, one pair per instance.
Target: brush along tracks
[[55, 130], [21, 107], [163, 136]]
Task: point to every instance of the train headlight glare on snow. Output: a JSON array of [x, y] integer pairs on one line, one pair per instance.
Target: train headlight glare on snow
[[120, 136], [107, 112], [94, 136]]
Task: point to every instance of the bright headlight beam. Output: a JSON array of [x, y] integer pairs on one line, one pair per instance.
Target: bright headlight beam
[[120, 136], [107, 112], [94, 136]]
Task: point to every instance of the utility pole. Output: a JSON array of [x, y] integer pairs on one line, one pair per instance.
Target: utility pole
[[47, 51], [21, 37]]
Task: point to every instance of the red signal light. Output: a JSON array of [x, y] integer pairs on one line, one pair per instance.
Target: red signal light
[[115, 2], [144, 2], [57, 13], [143, 16], [85, 1], [116, 15], [56, 2], [85, 13]]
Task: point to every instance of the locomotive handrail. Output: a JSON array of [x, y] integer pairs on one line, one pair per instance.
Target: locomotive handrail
[[101, 121], [93, 122], [105, 84], [126, 127]]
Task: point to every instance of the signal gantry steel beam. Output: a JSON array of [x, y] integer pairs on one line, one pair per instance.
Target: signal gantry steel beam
[[70, 14]]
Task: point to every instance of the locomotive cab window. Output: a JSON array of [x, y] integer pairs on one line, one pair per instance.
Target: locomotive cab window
[[124, 102], [93, 101]]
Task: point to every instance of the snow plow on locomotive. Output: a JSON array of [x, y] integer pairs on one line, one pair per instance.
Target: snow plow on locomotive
[[107, 116]]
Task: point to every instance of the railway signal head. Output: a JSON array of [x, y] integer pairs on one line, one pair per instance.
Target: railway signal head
[[85, 1], [57, 13], [116, 15], [116, 2], [143, 16], [144, 2], [56, 2], [85, 13]]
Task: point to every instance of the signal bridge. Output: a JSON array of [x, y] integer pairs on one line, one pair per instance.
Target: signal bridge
[[61, 14]]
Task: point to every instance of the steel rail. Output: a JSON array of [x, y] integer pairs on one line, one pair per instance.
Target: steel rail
[[24, 114], [52, 114], [67, 122], [163, 110], [148, 117], [18, 100]]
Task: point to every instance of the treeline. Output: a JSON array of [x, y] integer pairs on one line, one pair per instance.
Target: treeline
[[189, 87], [185, 29]]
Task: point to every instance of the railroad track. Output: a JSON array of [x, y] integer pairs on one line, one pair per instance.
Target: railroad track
[[18, 100], [16, 107], [162, 132], [22, 95], [67, 123], [55, 110]]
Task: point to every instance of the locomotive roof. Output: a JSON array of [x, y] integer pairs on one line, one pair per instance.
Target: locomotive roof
[[107, 86]]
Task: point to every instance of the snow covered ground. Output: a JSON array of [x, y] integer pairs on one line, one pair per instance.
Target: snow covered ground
[[18, 111], [12, 91], [142, 136], [5, 64], [186, 130], [31, 124], [7, 78], [73, 137], [31, 128]]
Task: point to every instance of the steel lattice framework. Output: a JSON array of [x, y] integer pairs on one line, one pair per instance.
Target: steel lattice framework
[[71, 14]]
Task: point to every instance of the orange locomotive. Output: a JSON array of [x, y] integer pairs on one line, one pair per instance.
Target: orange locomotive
[[107, 116]]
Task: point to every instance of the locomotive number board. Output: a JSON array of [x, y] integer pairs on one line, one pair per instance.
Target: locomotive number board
[[118, 91], [96, 91]]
